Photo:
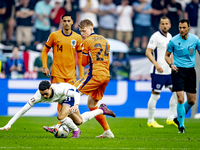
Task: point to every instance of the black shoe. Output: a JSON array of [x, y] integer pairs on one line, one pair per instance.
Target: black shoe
[[176, 121], [181, 130]]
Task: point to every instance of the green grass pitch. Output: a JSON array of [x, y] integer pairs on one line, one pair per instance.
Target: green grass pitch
[[130, 133]]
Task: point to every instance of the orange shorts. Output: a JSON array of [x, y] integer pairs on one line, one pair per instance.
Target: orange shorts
[[62, 80], [93, 85]]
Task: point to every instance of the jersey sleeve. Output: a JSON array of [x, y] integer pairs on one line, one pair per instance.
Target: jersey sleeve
[[85, 48], [35, 99], [79, 53], [152, 42], [46, 49], [50, 40], [198, 45], [79, 43], [74, 93], [170, 46]]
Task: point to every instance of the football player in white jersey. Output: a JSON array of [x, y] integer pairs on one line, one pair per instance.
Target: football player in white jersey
[[160, 72], [69, 113]]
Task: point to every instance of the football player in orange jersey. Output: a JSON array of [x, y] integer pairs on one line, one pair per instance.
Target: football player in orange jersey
[[65, 43], [95, 53]]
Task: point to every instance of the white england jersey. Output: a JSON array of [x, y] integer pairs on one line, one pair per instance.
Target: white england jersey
[[60, 93], [158, 42]]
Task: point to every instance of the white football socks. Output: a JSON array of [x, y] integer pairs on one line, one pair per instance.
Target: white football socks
[[152, 106], [69, 122], [90, 114], [172, 106]]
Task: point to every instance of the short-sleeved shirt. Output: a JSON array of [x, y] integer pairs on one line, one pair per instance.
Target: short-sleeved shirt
[[98, 50], [24, 21], [42, 8], [155, 19], [108, 18], [64, 49], [124, 22], [158, 43], [60, 93], [9, 5], [184, 50], [89, 15], [75, 9], [140, 17], [192, 10]]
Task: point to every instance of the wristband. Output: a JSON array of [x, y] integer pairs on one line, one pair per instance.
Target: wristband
[[170, 65]]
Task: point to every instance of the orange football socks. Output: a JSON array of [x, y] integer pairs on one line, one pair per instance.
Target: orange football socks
[[58, 108], [101, 119]]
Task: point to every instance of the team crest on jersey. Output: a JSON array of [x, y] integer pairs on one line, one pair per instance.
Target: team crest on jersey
[[151, 42], [33, 100], [158, 86], [191, 50], [73, 43]]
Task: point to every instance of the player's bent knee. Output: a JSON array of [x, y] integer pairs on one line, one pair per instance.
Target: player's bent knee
[[78, 123], [61, 117]]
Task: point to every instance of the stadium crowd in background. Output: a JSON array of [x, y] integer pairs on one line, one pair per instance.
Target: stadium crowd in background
[[23, 22]]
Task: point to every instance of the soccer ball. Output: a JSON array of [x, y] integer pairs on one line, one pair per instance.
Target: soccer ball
[[62, 131]]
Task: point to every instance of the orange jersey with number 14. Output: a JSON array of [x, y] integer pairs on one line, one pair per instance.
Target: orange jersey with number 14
[[98, 50], [64, 48]]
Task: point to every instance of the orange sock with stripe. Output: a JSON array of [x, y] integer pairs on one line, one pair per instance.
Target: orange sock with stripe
[[58, 108], [101, 119]]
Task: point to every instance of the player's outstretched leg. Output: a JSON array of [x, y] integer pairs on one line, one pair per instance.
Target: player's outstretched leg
[[176, 121], [76, 134], [154, 125], [108, 133], [181, 130], [172, 110], [51, 129], [171, 122], [106, 111]]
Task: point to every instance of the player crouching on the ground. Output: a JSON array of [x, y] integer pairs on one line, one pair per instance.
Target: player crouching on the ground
[[69, 113]]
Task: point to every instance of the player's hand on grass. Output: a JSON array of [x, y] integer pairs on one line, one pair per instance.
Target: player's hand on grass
[[6, 127], [46, 72]]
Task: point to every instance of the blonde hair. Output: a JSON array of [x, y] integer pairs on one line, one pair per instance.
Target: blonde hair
[[85, 23]]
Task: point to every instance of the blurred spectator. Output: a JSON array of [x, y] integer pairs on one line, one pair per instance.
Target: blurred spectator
[[42, 22], [24, 15], [89, 10], [120, 67], [191, 13], [33, 2], [157, 12], [142, 23], [107, 18], [56, 14], [118, 2], [124, 22], [9, 20], [2, 12], [38, 66], [14, 66], [2, 64], [173, 11], [72, 8]]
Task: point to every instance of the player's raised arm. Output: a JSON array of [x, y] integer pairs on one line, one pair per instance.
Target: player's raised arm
[[16, 116]]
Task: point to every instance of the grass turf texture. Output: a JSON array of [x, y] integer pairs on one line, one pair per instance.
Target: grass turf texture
[[130, 133]]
